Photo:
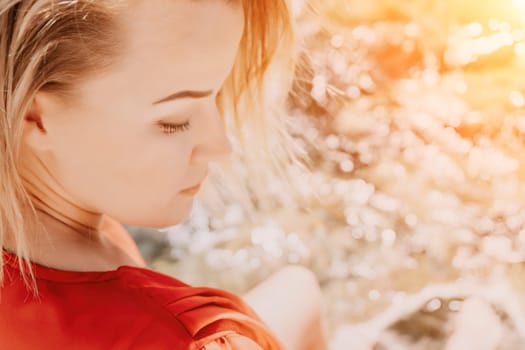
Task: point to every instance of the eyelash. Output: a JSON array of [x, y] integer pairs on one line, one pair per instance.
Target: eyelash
[[169, 128]]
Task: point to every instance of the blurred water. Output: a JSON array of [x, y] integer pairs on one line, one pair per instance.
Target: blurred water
[[414, 207]]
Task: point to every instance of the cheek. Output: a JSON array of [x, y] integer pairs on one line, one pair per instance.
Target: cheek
[[165, 172], [159, 165], [112, 171], [150, 195]]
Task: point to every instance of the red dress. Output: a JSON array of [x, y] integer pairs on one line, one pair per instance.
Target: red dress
[[127, 308]]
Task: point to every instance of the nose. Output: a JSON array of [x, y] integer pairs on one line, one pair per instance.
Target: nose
[[214, 145]]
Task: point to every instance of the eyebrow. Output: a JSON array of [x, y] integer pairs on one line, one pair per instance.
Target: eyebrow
[[185, 94]]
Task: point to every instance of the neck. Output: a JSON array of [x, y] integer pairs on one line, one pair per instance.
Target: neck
[[60, 216], [74, 247], [67, 236]]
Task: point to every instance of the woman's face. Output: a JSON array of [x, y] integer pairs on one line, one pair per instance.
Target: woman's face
[[107, 153]]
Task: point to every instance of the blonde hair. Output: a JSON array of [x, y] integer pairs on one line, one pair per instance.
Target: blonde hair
[[51, 45]]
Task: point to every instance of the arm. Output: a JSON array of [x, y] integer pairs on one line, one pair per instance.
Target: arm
[[289, 302]]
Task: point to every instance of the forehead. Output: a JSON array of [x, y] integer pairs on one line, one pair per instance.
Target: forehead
[[188, 41], [179, 20]]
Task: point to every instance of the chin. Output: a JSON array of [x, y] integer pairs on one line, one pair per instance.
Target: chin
[[167, 217], [165, 224], [156, 222], [169, 221]]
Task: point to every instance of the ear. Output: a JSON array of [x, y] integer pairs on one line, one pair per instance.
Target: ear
[[36, 122]]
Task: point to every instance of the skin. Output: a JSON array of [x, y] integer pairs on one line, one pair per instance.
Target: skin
[[290, 302], [103, 160], [105, 155]]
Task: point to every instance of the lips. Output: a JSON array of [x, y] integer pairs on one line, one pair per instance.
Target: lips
[[195, 188], [192, 190]]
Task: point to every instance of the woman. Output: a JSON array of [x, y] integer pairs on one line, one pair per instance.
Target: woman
[[108, 116]]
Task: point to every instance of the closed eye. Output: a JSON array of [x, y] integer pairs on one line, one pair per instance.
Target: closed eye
[[170, 128]]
